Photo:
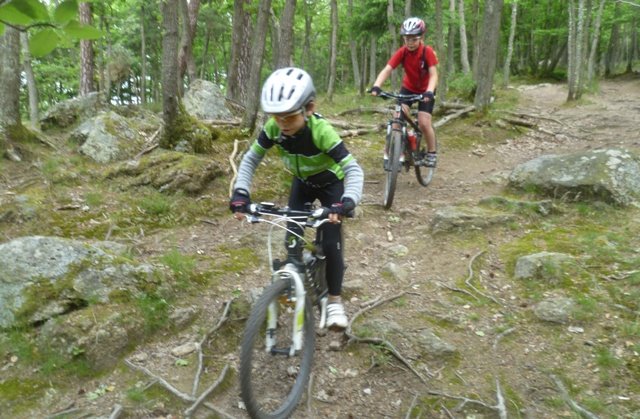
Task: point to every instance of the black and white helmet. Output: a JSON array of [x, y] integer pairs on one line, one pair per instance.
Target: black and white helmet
[[286, 90], [413, 26]]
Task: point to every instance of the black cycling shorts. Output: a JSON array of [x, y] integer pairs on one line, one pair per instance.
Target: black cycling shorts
[[422, 106]]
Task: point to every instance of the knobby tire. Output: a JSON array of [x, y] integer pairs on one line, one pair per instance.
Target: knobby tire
[[425, 174], [272, 385], [395, 149]]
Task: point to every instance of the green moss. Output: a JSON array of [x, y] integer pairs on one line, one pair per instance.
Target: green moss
[[199, 138], [19, 394]]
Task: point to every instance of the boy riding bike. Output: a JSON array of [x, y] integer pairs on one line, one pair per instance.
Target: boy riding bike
[[322, 167], [420, 77]]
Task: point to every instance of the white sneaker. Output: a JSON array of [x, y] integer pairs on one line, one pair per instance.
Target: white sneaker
[[336, 317]]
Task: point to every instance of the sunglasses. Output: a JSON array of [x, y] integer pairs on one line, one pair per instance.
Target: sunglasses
[[287, 117], [411, 38]]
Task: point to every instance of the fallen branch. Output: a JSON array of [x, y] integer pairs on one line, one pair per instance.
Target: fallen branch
[[520, 122], [153, 145], [468, 280], [501, 335], [379, 341], [572, 404], [364, 109], [234, 168], [499, 407], [223, 318], [208, 391], [444, 120], [525, 115]]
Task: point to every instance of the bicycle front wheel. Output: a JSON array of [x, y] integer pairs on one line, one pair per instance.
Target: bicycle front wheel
[[273, 381], [425, 174], [395, 148]]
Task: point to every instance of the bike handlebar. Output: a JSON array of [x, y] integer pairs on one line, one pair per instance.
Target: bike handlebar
[[400, 97], [311, 218]]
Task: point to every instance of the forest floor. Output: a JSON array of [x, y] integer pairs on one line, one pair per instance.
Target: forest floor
[[502, 350]]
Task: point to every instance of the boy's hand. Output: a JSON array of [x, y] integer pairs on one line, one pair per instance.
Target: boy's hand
[[375, 90], [239, 201], [428, 96], [340, 209]]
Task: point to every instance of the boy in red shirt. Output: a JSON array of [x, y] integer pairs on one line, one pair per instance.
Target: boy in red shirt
[[420, 77]]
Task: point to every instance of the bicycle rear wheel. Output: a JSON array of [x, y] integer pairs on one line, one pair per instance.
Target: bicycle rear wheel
[[395, 148], [272, 382], [425, 174]]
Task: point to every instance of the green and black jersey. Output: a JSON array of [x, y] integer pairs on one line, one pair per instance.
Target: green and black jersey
[[316, 155]]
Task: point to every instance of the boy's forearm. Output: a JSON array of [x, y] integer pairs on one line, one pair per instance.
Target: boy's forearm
[[383, 76]]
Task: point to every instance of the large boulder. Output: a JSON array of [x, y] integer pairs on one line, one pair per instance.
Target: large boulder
[[205, 100], [108, 137], [69, 112], [611, 176], [44, 277]]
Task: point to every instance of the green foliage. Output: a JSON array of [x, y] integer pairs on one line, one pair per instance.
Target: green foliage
[[51, 30], [155, 311]]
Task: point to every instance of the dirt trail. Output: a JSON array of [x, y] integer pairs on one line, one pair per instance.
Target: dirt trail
[[358, 382]]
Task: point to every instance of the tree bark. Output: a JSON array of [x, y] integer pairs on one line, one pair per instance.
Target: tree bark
[[87, 67], [32, 88], [257, 55], [170, 41], [391, 27], [189, 13], [512, 35], [610, 61], [240, 53], [439, 40], [353, 48], [285, 46], [451, 39], [334, 50], [9, 79], [594, 44], [143, 59], [464, 49], [487, 61], [372, 59]]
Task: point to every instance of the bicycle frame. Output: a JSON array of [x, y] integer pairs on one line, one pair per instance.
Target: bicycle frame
[[280, 219]]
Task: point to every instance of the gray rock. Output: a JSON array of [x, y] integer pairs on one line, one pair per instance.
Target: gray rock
[[434, 345], [204, 100], [548, 266], [43, 277], [467, 218], [554, 309], [611, 176]]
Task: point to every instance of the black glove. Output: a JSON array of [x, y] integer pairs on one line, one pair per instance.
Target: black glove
[[239, 201], [345, 207], [428, 94], [376, 90]]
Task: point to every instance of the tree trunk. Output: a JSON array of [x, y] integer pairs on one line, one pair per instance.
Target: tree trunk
[[594, 44], [633, 44], [285, 46], [464, 50], [87, 67], [306, 48], [189, 13], [439, 39], [610, 62], [353, 47], [451, 41], [240, 53], [373, 50], [257, 54], [407, 9], [143, 60], [32, 88], [334, 50], [475, 30], [512, 34], [9, 79], [391, 26], [170, 98], [487, 61]]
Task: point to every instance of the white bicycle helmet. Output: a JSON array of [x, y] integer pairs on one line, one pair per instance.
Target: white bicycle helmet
[[286, 90], [413, 26]]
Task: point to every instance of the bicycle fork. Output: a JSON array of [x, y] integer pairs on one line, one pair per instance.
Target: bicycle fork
[[299, 297]]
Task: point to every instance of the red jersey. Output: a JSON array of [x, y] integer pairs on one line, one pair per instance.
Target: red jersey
[[416, 66]]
